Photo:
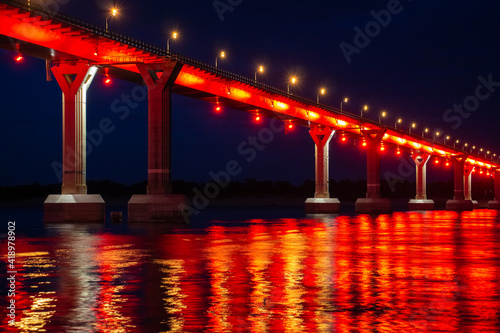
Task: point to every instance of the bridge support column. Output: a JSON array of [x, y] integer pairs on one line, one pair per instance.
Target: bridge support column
[[322, 203], [459, 203], [468, 185], [74, 204], [421, 202], [495, 204], [159, 204], [373, 203]]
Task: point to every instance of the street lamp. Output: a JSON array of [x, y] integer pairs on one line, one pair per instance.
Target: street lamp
[[446, 138], [436, 135], [413, 125], [382, 115], [293, 80], [465, 146], [114, 11], [173, 36], [345, 100], [322, 92], [458, 141], [221, 55], [399, 121], [259, 70], [365, 108], [425, 131]]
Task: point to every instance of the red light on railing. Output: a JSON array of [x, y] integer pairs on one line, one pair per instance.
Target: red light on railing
[[107, 81], [447, 164], [217, 108], [257, 118], [436, 161], [364, 143], [382, 148], [19, 58], [344, 139], [398, 152], [290, 126]]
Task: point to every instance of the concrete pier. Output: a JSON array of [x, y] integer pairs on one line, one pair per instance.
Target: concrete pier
[[322, 203], [74, 204]]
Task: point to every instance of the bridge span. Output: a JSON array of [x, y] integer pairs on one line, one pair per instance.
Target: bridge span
[[76, 51]]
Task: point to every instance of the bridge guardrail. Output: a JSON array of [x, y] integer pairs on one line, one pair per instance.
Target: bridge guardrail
[[161, 52]]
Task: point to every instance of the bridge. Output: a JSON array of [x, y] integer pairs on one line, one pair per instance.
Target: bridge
[[76, 51]]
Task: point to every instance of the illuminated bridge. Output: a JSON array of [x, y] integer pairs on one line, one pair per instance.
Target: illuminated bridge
[[76, 51]]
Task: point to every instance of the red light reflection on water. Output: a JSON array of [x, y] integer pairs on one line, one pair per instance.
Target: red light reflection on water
[[408, 272]]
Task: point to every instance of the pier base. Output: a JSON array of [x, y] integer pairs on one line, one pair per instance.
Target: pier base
[[74, 208], [493, 204], [155, 208], [475, 204], [421, 204], [373, 206], [322, 206], [459, 205]]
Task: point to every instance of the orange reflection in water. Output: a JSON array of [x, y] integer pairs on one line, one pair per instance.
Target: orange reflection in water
[[404, 272]]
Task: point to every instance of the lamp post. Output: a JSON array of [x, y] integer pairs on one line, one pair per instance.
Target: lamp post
[[114, 11], [399, 121], [221, 55], [343, 101], [322, 92], [259, 70], [365, 108], [436, 135], [173, 36], [413, 125], [425, 131], [382, 115], [293, 80]]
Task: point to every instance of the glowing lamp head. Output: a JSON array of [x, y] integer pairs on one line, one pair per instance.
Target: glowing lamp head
[[174, 35], [19, 58], [398, 152], [400, 121], [365, 107], [293, 79], [382, 148], [413, 125], [384, 114], [290, 126], [107, 80], [447, 137], [114, 11], [322, 91], [261, 69], [257, 118], [436, 161], [217, 108], [346, 100], [344, 139], [364, 143], [223, 54]]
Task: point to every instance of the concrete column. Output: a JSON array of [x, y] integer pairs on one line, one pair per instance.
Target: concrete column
[[159, 204], [74, 204], [459, 203], [373, 203], [495, 204], [322, 203], [468, 184], [421, 202]]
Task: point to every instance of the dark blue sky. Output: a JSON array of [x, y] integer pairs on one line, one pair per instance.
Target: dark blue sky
[[425, 60]]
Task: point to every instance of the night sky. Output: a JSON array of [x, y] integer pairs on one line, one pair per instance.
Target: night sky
[[425, 60]]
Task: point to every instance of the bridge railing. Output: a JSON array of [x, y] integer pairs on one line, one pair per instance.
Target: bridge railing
[[161, 52]]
